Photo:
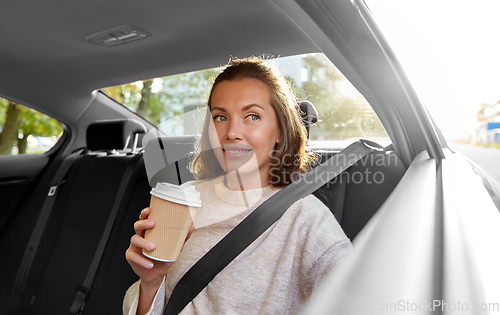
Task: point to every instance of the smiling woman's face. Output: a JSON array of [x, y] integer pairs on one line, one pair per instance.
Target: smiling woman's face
[[245, 125]]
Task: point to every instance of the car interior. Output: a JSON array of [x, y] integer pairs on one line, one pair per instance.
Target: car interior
[[110, 173], [67, 215]]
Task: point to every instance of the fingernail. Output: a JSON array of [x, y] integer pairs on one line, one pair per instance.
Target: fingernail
[[150, 246], [149, 265]]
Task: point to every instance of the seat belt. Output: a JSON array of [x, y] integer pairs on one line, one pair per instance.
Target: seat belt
[[84, 289], [257, 222], [16, 297]]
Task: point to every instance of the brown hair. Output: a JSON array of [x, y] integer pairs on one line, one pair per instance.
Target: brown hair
[[290, 154]]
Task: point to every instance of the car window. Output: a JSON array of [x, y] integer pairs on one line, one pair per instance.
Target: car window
[[344, 114], [25, 131]]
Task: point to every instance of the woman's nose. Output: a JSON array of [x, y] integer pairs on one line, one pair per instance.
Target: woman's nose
[[234, 131]]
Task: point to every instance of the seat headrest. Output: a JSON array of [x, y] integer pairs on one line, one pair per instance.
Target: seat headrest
[[113, 134], [308, 113], [167, 158]]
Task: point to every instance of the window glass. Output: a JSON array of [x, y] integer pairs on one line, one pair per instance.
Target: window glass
[[344, 114], [175, 103], [25, 131], [166, 101]]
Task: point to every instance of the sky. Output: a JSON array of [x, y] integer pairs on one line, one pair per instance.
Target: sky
[[450, 50]]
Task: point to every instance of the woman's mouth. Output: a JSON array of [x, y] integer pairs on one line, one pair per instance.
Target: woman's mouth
[[235, 152]]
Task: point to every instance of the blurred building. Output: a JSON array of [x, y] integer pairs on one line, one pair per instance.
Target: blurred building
[[488, 124]]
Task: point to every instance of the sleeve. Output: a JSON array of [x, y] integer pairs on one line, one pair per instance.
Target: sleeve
[[325, 243], [131, 300], [325, 263]]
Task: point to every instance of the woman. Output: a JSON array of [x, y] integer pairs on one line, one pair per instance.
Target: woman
[[253, 144]]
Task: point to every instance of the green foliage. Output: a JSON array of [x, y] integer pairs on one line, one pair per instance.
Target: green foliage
[[3, 109], [38, 125], [340, 115], [169, 97], [128, 95], [29, 122]]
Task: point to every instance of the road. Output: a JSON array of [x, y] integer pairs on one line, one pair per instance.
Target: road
[[486, 158]]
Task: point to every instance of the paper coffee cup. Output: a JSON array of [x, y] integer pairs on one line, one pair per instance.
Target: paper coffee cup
[[170, 209]]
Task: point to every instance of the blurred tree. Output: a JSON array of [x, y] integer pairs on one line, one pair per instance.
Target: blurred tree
[[145, 95], [10, 128], [35, 124], [19, 123], [340, 115], [159, 99], [115, 92], [188, 88]]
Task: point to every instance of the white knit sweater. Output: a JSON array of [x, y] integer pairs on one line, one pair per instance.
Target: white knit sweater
[[274, 275]]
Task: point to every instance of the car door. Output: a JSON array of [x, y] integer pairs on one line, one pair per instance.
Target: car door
[[17, 173], [21, 165], [431, 248]]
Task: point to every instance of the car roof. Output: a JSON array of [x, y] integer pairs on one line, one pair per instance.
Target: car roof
[[47, 63]]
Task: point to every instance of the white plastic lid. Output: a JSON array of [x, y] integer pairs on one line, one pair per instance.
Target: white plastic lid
[[184, 194]]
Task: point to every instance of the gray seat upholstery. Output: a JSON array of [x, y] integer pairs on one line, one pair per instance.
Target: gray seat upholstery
[[75, 227]]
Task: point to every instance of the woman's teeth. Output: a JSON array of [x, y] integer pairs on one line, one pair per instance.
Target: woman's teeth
[[237, 151]]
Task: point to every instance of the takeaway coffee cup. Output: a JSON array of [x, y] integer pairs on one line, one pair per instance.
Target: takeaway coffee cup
[[170, 209]]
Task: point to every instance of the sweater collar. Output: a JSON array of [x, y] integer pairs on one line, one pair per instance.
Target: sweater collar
[[249, 197]]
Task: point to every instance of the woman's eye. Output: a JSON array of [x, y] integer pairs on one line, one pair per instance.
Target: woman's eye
[[253, 117], [219, 118]]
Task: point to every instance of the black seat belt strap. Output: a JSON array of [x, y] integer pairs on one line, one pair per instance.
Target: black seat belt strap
[[30, 252], [84, 289], [257, 222]]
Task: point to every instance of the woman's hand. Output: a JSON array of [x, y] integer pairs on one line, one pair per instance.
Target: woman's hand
[[150, 271]]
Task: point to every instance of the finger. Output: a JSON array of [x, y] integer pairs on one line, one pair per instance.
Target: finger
[[144, 214], [138, 259], [141, 225], [140, 243]]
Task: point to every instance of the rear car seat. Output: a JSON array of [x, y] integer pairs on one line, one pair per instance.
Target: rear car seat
[[353, 197], [167, 159], [75, 227]]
